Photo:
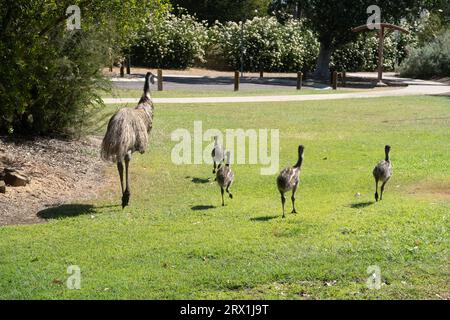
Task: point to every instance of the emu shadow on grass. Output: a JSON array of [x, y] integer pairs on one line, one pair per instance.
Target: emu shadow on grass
[[199, 180], [202, 208], [66, 211], [263, 218], [361, 205]]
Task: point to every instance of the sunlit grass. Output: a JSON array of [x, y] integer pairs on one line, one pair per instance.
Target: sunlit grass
[[160, 248]]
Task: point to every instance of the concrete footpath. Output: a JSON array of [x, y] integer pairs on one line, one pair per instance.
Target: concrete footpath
[[413, 88]]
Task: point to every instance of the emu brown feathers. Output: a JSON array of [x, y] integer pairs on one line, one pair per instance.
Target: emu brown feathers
[[128, 132]]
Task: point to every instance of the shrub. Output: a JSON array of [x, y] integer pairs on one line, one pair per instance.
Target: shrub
[[362, 54], [172, 43], [49, 81], [430, 60], [265, 45]]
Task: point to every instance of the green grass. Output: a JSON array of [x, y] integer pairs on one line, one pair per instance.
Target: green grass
[[132, 93], [159, 248]]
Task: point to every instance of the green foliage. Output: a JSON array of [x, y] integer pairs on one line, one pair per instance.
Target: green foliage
[[265, 45], [430, 60], [362, 53], [172, 42], [50, 76], [332, 21], [222, 10]]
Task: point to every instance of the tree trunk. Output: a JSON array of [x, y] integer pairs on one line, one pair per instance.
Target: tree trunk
[[322, 71]]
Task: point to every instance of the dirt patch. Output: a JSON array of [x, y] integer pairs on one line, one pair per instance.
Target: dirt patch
[[439, 190], [60, 171]]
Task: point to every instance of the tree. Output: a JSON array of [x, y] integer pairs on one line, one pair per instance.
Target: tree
[[284, 10], [223, 10], [332, 21], [50, 76]]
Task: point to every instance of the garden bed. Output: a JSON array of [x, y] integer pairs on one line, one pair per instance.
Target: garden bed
[[58, 170]]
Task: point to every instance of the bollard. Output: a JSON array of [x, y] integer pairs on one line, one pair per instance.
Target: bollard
[[335, 77], [128, 65], [236, 81], [299, 80], [160, 80], [122, 70]]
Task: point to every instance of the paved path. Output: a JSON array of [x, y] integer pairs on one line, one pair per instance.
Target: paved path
[[414, 87]]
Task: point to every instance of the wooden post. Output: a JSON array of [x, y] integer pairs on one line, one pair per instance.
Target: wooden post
[[236, 81], [381, 28], [122, 69], [380, 54], [111, 62], [344, 78], [335, 77], [299, 80], [160, 80], [128, 65], [261, 74]]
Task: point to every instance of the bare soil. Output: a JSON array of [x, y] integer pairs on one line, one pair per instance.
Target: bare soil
[[437, 190], [60, 172]]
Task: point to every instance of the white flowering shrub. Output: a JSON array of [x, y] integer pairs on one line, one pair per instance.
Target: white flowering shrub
[[171, 43], [264, 44]]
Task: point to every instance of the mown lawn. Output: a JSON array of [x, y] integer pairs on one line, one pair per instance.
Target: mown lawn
[[183, 93], [165, 247]]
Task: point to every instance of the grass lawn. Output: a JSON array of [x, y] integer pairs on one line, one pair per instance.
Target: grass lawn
[[165, 247], [131, 93]]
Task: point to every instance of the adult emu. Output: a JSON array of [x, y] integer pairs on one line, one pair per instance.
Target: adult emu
[[128, 132]]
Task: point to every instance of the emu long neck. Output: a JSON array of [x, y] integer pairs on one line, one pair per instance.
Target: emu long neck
[[147, 93], [387, 156], [300, 160]]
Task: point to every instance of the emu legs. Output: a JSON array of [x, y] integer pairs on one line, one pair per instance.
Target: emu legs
[[283, 202], [376, 190], [228, 191], [222, 192], [382, 188], [120, 169], [294, 191], [126, 194]]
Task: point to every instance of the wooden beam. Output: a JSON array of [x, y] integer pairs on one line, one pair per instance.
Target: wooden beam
[[364, 27]]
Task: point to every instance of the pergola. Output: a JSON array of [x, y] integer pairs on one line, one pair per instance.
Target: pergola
[[381, 27]]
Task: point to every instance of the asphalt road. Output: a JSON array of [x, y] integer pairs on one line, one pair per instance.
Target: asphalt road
[[213, 83]]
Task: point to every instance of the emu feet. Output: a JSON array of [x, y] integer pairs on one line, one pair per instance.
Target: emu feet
[[294, 211], [125, 199], [231, 196], [376, 197]]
